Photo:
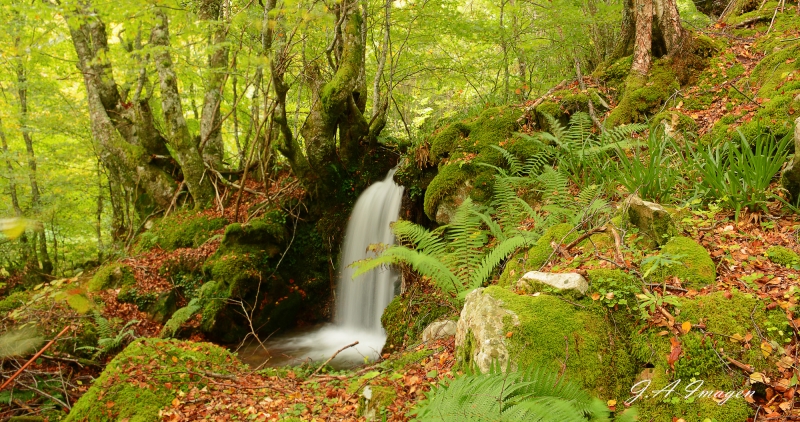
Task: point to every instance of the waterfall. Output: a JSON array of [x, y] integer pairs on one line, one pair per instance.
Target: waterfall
[[360, 302]]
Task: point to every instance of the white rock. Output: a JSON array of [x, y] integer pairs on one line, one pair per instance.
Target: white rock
[[438, 329], [561, 281], [481, 327]]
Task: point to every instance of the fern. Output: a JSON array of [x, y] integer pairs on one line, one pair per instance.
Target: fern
[[533, 395], [110, 339]]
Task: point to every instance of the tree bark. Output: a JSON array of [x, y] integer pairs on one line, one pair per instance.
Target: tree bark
[[650, 28], [644, 36], [28, 256], [211, 122], [186, 152]]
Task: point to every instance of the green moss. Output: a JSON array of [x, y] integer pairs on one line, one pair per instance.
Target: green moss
[[552, 333], [574, 102], [696, 269], [123, 391], [406, 317], [111, 276], [536, 256], [615, 74], [449, 178], [13, 301], [79, 303], [690, 14], [644, 96], [735, 17], [399, 362], [782, 255], [264, 232], [180, 230], [447, 139], [700, 358]]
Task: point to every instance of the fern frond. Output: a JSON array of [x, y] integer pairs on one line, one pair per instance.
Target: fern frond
[[465, 239], [514, 164], [497, 255], [422, 263], [423, 239]]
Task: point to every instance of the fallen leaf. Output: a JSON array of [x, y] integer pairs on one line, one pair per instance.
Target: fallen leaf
[[686, 327]]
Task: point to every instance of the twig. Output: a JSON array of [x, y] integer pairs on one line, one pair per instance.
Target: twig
[[743, 94], [584, 236], [42, 393], [618, 246], [740, 365], [668, 287], [36, 356], [546, 94], [333, 356]]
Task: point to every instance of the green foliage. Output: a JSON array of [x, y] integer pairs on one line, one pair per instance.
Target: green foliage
[[656, 175], [110, 337], [645, 96], [739, 175], [180, 317], [533, 395], [581, 153]]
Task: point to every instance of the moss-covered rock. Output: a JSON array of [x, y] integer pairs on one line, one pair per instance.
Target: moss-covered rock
[[450, 179], [180, 230], [146, 377], [536, 256], [702, 358], [266, 232], [695, 268], [13, 301], [545, 331], [406, 317], [447, 140], [675, 123], [782, 255], [111, 276], [690, 15]]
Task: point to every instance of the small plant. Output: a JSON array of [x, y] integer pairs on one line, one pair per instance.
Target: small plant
[[110, 339], [650, 301], [656, 174], [739, 175], [661, 260]]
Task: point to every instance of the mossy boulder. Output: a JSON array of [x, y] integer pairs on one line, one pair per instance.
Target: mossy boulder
[[652, 219], [465, 145], [536, 256], [406, 317], [266, 232], [146, 377], [782, 255], [184, 229], [519, 331], [727, 321], [690, 15], [694, 266], [112, 276]]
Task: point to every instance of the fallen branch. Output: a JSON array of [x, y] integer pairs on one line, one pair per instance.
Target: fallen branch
[[618, 246], [740, 365], [332, 357], [668, 287], [751, 20], [581, 238], [36, 356], [546, 94]]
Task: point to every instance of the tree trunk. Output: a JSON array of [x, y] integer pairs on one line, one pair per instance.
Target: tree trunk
[[28, 255], [22, 92], [211, 123], [186, 151], [650, 28]]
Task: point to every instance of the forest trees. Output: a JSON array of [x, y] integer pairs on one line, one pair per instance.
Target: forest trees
[[649, 28]]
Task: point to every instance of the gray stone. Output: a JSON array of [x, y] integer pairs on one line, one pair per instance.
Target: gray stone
[[560, 281], [447, 207], [791, 176], [438, 329], [651, 219], [482, 322]]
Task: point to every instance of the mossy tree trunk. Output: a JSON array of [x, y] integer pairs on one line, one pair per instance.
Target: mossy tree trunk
[[131, 147], [337, 135], [650, 28]]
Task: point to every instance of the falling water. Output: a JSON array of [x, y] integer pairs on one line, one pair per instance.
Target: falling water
[[360, 301]]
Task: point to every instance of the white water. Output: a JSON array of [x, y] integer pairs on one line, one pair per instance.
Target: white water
[[359, 302]]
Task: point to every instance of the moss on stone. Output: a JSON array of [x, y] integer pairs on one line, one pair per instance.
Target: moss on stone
[[406, 317], [123, 392], [447, 139], [111, 276], [700, 357], [536, 256], [782, 255], [695, 269], [581, 343], [180, 230], [80, 303], [447, 181], [264, 232], [616, 73], [398, 362]]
